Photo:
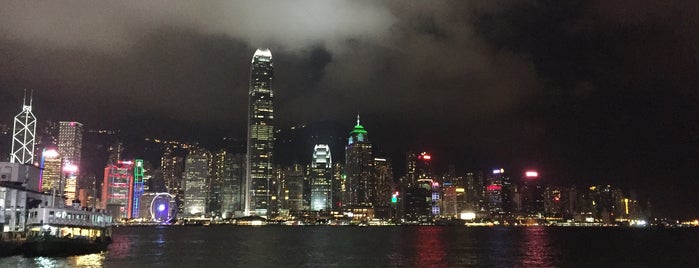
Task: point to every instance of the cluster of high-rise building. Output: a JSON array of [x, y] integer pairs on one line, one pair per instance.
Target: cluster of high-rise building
[[497, 196], [56, 149], [192, 182]]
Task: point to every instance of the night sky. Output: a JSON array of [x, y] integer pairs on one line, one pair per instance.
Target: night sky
[[584, 91]]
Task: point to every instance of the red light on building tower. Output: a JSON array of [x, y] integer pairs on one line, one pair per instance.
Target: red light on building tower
[[424, 156], [493, 187], [531, 174]]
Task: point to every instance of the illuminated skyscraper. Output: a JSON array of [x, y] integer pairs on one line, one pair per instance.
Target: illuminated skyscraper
[[218, 167], [117, 187], [137, 188], [476, 191], [87, 193], [359, 167], [424, 166], [449, 201], [70, 142], [411, 168], [419, 201], [383, 174], [230, 171], [533, 194], [70, 190], [494, 192], [51, 172], [338, 186], [196, 175], [259, 177], [23, 135], [115, 151], [293, 188], [46, 138], [499, 193], [321, 178], [172, 167]]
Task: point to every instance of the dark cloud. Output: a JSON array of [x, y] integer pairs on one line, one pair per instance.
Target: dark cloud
[[118, 26], [586, 90]]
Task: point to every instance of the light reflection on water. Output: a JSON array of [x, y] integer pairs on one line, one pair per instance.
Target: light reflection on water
[[429, 247], [46, 262], [121, 245], [536, 248], [90, 260], [406, 246]]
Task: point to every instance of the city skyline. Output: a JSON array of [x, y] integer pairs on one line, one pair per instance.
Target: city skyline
[[368, 191], [518, 85]]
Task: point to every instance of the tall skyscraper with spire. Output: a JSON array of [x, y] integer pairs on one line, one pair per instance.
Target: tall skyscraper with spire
[[361, 186], [23, 134], [259, 176]]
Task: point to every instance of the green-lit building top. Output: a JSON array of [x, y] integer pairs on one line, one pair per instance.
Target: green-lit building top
[[358, 134]]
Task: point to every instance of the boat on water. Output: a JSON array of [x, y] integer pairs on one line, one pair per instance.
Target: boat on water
[[66, 231]]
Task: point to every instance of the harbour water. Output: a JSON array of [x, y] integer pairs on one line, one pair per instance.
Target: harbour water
[[395, 246]]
